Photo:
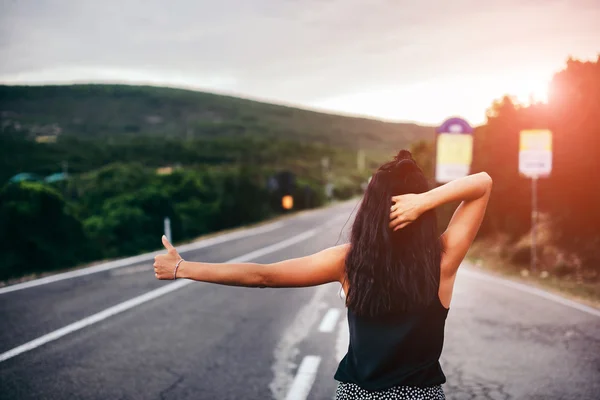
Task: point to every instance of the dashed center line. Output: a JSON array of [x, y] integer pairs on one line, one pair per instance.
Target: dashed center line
[[306, 375], [329, 320], [304, 378]]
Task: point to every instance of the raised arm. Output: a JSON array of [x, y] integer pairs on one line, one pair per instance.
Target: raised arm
[[316, 269], [473, 191]]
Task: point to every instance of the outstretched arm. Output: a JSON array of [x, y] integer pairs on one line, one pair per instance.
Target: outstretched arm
[[316, 269]]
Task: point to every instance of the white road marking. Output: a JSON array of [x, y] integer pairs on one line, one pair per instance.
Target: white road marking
[[304, 378], [343, 340], [329, 320], [286, 350], [336, 220], [92, 319], [277, 246], [530, 290], [142, 257], [132, 270], [136, 301]]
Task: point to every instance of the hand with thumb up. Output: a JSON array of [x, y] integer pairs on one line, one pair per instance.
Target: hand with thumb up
[[166, 265]]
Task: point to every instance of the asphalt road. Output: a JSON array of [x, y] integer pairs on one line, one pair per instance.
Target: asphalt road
[[120, 334]]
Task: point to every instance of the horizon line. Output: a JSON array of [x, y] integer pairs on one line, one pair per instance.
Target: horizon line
[[232, 95]]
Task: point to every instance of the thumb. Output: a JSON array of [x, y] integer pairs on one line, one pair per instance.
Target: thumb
[[168, 245]]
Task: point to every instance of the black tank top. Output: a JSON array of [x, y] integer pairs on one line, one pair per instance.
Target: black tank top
[[402, 350]]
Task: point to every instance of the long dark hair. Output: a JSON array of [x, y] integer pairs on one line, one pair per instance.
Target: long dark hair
[[392, 272]]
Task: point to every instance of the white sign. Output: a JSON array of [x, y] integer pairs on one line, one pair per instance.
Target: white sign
[[535, 153]]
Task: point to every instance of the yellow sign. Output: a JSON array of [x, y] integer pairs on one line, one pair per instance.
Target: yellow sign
[[454, 149], [536, 139], [535, 152], [454, 156]]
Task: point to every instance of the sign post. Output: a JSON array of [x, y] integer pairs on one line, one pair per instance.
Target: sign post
[[454, 150], [535, 161], [167, 225], [533, 222]]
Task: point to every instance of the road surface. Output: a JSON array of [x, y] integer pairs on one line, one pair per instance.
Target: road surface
[[118, 333]]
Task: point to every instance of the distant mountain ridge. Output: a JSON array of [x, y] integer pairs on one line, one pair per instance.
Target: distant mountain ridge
[[96, 110]]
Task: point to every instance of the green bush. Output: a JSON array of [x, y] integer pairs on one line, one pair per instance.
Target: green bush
[[38, 232], [132, 222]]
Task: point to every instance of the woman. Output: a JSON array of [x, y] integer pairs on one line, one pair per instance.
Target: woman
[[397, 273]]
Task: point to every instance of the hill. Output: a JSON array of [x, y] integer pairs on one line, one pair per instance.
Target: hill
[[100, 110], [135, 155]]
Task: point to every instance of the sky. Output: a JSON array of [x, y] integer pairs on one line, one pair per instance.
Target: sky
[[399, 60]]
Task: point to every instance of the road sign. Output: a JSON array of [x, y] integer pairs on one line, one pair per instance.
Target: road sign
[[454, 150], [535, 152], [535, 160]]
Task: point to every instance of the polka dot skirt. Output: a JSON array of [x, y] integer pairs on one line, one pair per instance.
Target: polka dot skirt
[[351, 391]]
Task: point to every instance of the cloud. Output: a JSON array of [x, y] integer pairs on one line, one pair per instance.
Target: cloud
[[294, 51]]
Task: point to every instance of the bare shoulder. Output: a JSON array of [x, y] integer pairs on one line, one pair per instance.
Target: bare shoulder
[[334, 258], [334, 255], [340, 250]]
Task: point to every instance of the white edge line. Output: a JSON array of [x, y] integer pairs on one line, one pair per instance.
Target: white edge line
[[274, 247], [304, 379], [531, 290], [136, 301], [329, 320], [92, 319], [141, 258]]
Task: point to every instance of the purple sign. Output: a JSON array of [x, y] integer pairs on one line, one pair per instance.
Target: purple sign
[[455, 125]]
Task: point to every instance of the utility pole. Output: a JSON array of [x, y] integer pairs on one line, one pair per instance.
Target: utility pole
[[325, 169], [360, 160], [325, 177]]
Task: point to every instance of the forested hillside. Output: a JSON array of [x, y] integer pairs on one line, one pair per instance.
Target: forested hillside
[[99, 167]]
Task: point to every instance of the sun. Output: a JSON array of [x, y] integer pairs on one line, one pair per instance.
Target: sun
[[432, 101], [531, 89]]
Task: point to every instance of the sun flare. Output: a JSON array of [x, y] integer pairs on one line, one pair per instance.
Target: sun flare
[[432, 101], [532, 89]]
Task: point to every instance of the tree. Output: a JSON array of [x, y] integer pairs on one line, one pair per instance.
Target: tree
[[571, 192], [496, 151], [133, 222], [38, 232]]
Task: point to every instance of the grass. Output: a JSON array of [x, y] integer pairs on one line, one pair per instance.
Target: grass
[[484, 255]]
